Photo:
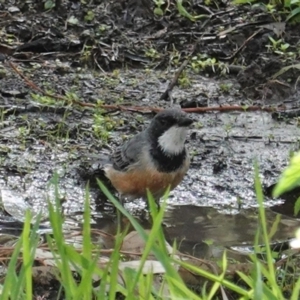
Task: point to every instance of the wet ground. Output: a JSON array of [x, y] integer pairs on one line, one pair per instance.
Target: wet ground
[[126, 56]]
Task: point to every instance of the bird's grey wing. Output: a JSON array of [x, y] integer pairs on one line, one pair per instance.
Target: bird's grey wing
[[129, 153]]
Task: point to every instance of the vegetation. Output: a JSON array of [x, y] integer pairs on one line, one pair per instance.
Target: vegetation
[[92, 272], [134, 281], [289, 8]]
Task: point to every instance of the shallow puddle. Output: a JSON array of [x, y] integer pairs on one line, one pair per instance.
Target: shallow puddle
[[205, 232], [38, 143]]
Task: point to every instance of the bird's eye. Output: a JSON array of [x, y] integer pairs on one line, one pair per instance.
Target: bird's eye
[[167, 121], [164, 121]]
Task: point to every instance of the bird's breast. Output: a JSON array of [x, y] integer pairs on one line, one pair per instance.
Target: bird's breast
[[135, 182]]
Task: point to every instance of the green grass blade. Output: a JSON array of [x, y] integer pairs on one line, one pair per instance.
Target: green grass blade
[[174, 279], [27, 257], [271, 272], [11, 279]]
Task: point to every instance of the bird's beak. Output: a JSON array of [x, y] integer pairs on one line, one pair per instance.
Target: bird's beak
[[185, 122]]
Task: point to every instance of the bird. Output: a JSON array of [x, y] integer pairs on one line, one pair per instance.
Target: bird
[[155, 159]]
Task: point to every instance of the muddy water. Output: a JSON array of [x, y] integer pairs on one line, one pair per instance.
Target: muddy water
[[35, 143], [224, 152], [205, 231], [225, 176]]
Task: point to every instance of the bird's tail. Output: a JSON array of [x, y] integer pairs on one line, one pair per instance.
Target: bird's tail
[[92, 168]]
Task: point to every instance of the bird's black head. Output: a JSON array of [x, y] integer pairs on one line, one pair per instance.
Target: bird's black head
[[166, 119], [167, 133]]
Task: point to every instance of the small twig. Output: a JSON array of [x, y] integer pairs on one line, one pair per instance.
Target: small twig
[[167, 93], [243, 45], [171, 85]]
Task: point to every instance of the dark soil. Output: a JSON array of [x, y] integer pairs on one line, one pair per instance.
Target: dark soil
[[120, 52]]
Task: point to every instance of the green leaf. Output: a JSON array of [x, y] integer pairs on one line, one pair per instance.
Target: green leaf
[[89, 16], [72, 20], [158, 11], [295, 12], [49, 4], [294, 2], [290, 177], [183, 11], [242, 1], [297, 207], [186, 14]]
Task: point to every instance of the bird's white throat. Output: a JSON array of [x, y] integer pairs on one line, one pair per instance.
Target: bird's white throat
[[172, 141]]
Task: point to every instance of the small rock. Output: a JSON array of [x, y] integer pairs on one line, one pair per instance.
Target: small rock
[[3, 73], [13, 9]]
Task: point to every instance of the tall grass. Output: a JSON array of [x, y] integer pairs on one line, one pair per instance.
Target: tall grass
[[80, 270]]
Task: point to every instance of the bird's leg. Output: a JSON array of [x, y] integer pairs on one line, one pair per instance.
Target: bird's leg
[[122, 199], [157, 202]]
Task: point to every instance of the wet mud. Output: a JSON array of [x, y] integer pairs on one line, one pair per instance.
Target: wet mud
[[41, 136]]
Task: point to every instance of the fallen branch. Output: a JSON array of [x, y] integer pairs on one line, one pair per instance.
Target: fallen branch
[[143, 109], [35, 87], [200, 110]]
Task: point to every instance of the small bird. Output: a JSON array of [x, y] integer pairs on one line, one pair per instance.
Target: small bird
[[154, 159]]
